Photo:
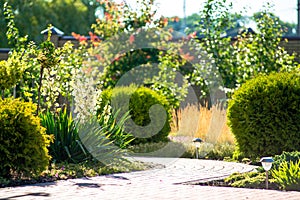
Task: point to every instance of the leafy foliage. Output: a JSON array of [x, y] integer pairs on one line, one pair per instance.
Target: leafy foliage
[[46, 70], [288, 175], [96, 140], [247, 180], [285, 156], [23, 145], [115, 130], [263, 115], [67, 146], [11, 72], [32, 17], [124, 30], [262, 54], [140, 101], [159, 149], [63, 171], [250, 55], [288, 29], [221, 152], [72, 138]]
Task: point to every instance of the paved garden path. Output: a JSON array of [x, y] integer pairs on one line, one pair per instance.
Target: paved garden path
[[171, 182]]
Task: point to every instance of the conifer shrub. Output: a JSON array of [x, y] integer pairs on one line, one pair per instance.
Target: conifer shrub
[[23, 141], [264, 115], [285, 157]]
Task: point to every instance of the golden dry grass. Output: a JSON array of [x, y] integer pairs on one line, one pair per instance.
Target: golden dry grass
[[198, 121]]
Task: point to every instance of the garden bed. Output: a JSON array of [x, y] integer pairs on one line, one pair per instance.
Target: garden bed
[[223, 183], [63, 171]]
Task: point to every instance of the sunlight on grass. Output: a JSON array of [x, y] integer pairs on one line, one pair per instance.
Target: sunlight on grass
[[199, 121]]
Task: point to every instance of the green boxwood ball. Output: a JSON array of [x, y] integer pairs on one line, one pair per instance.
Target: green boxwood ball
[[264, 115]]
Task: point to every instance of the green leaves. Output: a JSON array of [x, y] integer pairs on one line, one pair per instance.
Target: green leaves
[[12, 33], [247, 180], [262, 114], [23, 141], [288, 175], [67, 146], [11, 71], [249, 54], [143, 124]]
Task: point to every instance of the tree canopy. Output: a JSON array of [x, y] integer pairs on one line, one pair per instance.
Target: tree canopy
[[33, 16], [238, 21]]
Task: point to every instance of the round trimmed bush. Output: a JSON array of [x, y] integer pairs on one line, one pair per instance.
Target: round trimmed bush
[[264, 115], [23, 141], [149, 112]]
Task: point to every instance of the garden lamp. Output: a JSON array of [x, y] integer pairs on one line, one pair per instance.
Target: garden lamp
[[267, 164], [197, 143]]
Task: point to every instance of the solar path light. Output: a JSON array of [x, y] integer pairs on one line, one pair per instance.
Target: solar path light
[[267, 164], [197, 142]]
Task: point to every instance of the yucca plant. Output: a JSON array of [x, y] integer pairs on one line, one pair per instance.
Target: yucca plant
[[102, 139], [288, 175], [113, 126], [67, 146], [96, 140]]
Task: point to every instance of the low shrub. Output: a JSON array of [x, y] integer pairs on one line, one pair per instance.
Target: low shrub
[[221, 152], [249, 180], [75, 142], [146, 118], [288, 175], [264, 115], [285, 157], [63, 171], [147, 147], [185, 150], [23, 141]]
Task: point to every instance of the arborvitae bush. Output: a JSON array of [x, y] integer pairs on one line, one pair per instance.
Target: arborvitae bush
[[264, 115], [23, 141], [140, 109]]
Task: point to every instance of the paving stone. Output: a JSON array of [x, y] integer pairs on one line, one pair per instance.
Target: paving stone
[[171, 182]]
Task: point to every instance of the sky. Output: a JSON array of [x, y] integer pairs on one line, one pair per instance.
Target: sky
[[285, 9]]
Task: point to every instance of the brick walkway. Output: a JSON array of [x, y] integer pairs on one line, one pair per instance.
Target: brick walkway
[[170, 182]]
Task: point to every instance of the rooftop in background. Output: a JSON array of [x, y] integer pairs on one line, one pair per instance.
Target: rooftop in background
[[286, 10], [53, 30]]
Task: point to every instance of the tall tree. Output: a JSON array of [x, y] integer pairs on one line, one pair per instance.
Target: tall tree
[[33, 16]]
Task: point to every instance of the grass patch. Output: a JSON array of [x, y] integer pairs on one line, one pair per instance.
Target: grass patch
[[208, 124], [199, 121]]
